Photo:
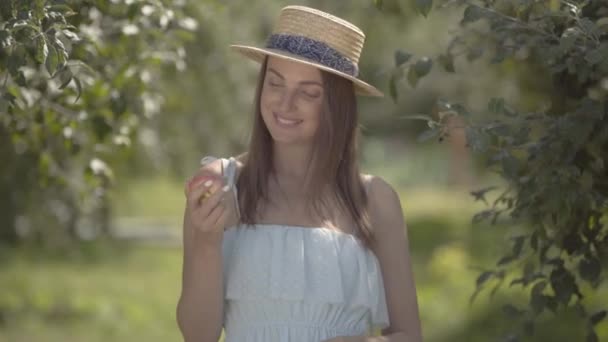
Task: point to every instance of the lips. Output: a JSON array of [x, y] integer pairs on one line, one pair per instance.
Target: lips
[[283, 121]]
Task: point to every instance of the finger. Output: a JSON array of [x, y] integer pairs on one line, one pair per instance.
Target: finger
[[194, 195], [200, 182], [221, 221], [208, 223], [210, 203], [198, 192], [201, 178]]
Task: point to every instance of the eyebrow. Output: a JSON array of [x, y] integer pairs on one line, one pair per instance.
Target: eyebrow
[[301, 82]]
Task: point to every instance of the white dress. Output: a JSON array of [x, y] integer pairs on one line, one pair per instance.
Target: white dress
[[286, 283]]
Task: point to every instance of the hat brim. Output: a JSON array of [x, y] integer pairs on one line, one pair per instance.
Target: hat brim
[[257, 54]]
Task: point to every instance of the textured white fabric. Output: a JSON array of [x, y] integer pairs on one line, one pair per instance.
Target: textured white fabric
[[285, 283], [291, 283]]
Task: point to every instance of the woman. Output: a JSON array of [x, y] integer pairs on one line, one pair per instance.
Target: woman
[[307, 249]]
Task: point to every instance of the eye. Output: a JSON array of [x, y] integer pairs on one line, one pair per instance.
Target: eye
[[311, 95], [273, 84]]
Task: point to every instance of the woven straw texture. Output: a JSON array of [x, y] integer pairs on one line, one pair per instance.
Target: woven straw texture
[[340, 35], [333, 31]]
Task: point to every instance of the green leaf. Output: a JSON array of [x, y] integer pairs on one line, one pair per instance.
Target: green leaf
[[447, 62], [586, 180], [65, 76], [78, 88], [482, 278], [417, 117], [505, 260], [589, 269], [517, 281], [529, 327], [567, 41], [424, 6], [379, 4], [511, 311], [482, 215], [401, 57], [518, 245], [42, 50], [3, 105], [5, 40], [594, 56], [496, 105], [16, 60], [63, 58], [597, 317], [587, 25], [412, 77], [551, 303], [539, 287], [528, 273], [52, 61], [592, 337], [510, 166], [474, 53], [71, 35], [392, 87], [479, 195], [471, 14], [63, 9], [44, 162], [563, 284], [496, 287], [478, 141], [20, 79], [534, 240], [500, 54], [423, 66], [537, 299], [23, 32]]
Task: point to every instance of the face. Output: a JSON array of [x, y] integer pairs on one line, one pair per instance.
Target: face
[[291, 100]]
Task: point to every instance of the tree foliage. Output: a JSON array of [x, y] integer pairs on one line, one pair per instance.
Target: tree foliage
[[553, 158], [77, 79]]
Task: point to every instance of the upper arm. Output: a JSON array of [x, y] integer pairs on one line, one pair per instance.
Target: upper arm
[[392, 250]]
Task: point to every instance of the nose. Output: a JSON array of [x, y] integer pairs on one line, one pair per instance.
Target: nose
[[287, 101]]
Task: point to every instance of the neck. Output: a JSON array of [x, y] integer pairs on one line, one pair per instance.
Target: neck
[[291, 161]]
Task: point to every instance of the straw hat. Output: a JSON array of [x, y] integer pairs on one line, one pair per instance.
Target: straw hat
[[316, 38]]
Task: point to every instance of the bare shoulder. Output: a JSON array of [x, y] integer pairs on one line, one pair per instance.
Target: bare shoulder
[[385, 208], [379, 190]]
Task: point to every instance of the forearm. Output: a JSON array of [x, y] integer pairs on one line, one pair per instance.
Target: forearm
[[200, 308]]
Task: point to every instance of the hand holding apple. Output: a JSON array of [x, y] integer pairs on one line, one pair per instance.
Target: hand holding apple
[[212, 182]]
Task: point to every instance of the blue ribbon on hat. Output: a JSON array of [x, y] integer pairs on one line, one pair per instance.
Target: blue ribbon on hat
[[313, 50]]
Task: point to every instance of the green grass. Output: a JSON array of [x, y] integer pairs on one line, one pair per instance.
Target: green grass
[[160, 198], [115, 296]]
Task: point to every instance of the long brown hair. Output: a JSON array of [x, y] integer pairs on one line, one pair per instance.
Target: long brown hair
[[333, 170]]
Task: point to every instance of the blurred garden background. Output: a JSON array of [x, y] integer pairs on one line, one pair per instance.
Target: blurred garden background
[[493, 130]]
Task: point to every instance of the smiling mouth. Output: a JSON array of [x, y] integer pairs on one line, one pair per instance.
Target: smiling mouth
[[284, 121]]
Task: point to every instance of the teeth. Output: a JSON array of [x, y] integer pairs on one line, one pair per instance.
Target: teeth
[[287, 122]]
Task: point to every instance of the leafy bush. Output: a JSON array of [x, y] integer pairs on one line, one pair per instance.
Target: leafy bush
[[77, 79], [553, 158]]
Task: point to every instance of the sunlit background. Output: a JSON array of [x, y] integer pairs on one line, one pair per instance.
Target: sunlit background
[[125, 286]]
